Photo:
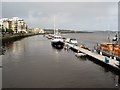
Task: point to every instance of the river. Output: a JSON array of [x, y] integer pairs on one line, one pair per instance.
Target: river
[[33, 63]]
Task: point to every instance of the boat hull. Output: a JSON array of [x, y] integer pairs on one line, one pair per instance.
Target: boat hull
[[107, 54], [58, 44]]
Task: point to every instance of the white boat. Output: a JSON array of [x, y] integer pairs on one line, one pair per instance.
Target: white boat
[[57, 40], [48, 36], [80, 54], [73, 41], [67, 40]]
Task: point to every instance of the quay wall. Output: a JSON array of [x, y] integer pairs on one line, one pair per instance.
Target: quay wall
[[12, 38]]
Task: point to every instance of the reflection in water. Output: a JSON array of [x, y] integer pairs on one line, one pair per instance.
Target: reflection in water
[[17, 50], [33, 63], [0, 72], [118, 81], [56, 49], [0, 78], [2, 50], [56, 53], [82, 58]]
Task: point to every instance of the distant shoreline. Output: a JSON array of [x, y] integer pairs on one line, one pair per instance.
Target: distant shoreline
[[12, 38], [72, 31]]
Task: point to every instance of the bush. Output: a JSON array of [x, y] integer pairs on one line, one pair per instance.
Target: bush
[[9, 30], [2, 30]]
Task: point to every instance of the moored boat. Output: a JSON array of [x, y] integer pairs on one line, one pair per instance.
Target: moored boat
[[110, 49], [48, 36], [79, 54], [73, 41], [57, 40]]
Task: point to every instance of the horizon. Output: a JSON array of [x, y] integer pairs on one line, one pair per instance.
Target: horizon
[[74, 16]]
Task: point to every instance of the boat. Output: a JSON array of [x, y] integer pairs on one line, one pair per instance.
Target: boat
[[73, 41], [79, 54], [110, 49], [49, 36], [84, 47], [57, 40]]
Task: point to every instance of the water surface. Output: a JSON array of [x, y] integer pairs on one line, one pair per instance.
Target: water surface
[[33, 63]]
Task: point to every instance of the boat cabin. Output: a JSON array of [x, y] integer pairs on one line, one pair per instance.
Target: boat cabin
[[111, 48], [57, 37]]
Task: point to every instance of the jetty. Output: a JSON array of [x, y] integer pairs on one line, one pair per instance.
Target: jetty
[[106, 60], [115, 64]]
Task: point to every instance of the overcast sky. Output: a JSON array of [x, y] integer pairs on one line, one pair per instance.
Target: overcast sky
[[69, 15]]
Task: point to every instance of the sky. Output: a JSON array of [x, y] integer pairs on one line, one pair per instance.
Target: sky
[[68, 15]]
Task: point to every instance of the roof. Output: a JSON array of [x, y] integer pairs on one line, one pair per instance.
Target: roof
[[107, 43]]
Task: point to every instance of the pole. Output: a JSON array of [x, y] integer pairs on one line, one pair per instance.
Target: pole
[[54, 25]]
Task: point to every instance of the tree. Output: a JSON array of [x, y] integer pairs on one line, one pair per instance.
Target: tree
[[9, 30], [2, 31]]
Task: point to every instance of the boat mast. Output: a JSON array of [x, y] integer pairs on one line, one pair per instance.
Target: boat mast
[[54, 25]]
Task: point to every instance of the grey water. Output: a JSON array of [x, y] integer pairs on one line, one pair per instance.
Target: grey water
[[33, 63]]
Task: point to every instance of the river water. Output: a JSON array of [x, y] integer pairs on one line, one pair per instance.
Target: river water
[[33, 63]]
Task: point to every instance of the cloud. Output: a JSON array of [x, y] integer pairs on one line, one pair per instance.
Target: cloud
[[75, 15], [60, 0]]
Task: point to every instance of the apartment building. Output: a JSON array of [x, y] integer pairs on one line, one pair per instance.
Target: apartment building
[[16, 24]]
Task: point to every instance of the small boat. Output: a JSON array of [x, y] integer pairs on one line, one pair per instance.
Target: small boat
[[48, 36], [73, 41], [84, 47], [79, 54]]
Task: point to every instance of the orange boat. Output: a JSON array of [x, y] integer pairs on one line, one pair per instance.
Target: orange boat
[[109, 49]]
